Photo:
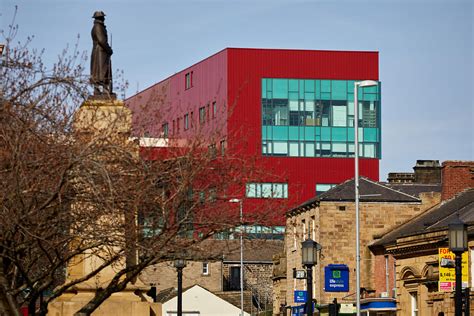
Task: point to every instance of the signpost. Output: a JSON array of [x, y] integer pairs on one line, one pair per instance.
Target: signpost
[[447, 275]]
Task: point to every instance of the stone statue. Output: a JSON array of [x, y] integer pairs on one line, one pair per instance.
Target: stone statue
[[101, 65]]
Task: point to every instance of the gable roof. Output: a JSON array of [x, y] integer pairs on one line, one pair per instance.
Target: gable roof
[[436, 218], [170, 293], [369, 191]]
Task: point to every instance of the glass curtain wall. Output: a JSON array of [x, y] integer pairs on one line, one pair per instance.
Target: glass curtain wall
[[315, 118]]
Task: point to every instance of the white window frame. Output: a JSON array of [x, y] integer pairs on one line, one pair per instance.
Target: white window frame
[[205, 268]]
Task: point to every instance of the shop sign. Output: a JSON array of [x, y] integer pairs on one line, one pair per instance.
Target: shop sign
[[447, 273], [300, 296], [336, 278]]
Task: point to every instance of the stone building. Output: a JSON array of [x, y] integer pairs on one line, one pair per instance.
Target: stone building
[[415, 245], [220, 274], [329, 220]]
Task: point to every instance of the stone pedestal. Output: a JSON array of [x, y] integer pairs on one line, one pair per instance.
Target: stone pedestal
[[111, 120]]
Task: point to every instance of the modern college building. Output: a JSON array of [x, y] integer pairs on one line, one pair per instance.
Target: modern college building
[[292, 111]]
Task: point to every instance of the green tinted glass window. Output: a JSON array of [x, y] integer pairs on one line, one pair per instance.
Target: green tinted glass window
[[326, 86], [305, 117], [370, 135], [280, 88], [293, 133], [325, 133], [339, 134], [280, 132], [339, 90], [293, 85], [309, 86]]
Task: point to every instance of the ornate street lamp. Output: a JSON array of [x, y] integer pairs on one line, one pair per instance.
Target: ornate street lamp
[[309, 251], [458, 244], [179, 264]]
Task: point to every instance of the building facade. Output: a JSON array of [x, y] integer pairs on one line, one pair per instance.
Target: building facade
[[290, 111], [329, 220], [417, 245]]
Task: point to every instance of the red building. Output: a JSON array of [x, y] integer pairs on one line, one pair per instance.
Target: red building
[[291, 110]]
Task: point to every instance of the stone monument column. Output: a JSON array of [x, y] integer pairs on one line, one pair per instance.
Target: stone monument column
[[103, 116]]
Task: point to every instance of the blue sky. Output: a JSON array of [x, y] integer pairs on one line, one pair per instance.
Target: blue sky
[[426, 52]]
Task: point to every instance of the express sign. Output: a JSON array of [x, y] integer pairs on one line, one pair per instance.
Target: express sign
[[336, 278]]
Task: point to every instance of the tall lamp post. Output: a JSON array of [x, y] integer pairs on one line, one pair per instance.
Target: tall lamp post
[[179, 264], [309, 249], [458, 244], [357, 84], [241, 256]]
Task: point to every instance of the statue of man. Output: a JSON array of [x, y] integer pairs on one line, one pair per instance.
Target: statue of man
[[101, 66]]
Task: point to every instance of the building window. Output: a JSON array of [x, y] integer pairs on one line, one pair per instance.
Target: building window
[[186, 121], [315, 118], [207, 112], [222, 145], [303, 224], [188, 80], [174, 127], [178, 124], [414, 303], [323, 187], [192, 119], [202, 115], [165, 130], [205, 268], [212, 151], [214, 109], [267, 190]]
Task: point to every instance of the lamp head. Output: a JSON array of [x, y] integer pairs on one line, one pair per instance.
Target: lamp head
[[457, 232], [367, 83], [309, 250]]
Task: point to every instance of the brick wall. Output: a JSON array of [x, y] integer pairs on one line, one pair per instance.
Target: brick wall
[[456, 176]]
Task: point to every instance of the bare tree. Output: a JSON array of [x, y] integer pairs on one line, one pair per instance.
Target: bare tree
[[70, 194]]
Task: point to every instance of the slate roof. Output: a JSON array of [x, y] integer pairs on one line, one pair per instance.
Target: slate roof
[[415, 189], [436, 218], [369, 191], [255, 250]]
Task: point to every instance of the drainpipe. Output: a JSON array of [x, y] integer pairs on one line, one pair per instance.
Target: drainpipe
[[387, 274]]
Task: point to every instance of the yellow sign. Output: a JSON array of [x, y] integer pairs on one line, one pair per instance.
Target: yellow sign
[[447, 273]]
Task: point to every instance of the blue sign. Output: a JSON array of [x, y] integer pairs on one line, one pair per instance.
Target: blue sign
[[336, 278], [299, 310], [300, 296]]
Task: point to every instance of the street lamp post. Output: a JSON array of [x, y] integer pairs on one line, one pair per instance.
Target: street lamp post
[[241, 255], [309, 249], [179, 264], [357, 84], [458, 244]]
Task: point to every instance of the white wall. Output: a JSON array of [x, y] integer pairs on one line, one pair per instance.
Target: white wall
[[199, 301]]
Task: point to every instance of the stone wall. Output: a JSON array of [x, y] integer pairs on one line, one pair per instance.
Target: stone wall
[[164, 276], [332, 224], [257, 279]]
